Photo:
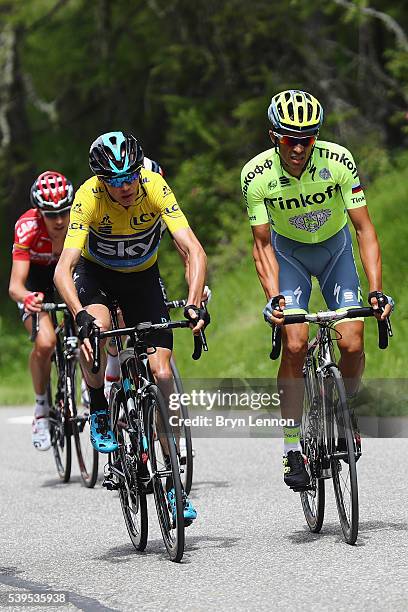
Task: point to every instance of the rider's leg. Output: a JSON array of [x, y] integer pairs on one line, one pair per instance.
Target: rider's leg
[[112, 370], [40, 361], [40, 366], [290, 385], [290, 382], [160, 366], [340, 286], [102, 438], [352, 360], [94, 382], [295, 284]]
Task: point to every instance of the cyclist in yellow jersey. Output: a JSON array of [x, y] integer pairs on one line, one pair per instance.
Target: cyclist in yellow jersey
[[110, 251], [297, 196]]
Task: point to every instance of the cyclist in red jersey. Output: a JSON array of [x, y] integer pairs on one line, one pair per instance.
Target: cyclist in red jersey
[[38, 241]]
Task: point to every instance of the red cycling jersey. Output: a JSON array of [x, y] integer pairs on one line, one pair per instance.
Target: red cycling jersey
[[31, 240]]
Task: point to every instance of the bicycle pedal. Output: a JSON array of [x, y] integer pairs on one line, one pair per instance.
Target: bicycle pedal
[[110, 485]]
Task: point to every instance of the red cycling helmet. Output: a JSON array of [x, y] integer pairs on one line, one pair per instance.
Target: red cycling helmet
[[51, 192]]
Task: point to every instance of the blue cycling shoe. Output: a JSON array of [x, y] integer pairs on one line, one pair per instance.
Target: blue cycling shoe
[[190, 513], [102, 437]]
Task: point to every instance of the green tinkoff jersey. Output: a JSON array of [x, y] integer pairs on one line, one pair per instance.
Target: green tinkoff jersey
[[308, 209]]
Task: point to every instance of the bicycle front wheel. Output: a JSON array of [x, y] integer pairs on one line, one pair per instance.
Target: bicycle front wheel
[[343, 456], [166, 473], [313, 500], [132, 498], [184, 443]]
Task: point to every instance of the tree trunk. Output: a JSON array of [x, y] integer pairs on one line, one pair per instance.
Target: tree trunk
[[16, 166]]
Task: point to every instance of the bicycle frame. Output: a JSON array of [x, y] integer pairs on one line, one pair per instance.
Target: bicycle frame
[[319, 358], [66, 349], [128, 358]]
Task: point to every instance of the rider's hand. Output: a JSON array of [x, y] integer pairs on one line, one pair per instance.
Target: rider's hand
[[379, 300], [273, 310], [33, 301], [85, 323], [199, 317]]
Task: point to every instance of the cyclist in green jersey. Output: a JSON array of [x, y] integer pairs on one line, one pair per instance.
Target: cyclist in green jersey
[[297, 195]]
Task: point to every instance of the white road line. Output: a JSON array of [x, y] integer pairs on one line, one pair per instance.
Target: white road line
[[21, 420]]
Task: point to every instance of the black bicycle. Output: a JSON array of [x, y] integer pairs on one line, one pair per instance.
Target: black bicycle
[[68, 398], [147, 459], [329, 435]]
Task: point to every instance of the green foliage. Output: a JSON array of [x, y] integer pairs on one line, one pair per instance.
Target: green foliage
[[239, 340], [193, 82]]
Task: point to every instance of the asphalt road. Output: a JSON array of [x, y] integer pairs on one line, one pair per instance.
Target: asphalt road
[[249, 549]]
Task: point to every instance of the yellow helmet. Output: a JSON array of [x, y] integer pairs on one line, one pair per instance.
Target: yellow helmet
[[295, 110]]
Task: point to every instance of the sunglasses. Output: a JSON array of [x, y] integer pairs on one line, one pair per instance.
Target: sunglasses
[[50, 214], [292, 141], [118, 181]]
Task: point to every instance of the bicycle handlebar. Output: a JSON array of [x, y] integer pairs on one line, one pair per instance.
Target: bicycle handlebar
[[45, 307], [143, 329], [384, 327], [201, 343]]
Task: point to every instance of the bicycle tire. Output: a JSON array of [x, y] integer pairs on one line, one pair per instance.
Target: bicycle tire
[[172, 529], [313, 500], [185, 443], [344, 473], [132, 500], [88, 457], [60, 424]]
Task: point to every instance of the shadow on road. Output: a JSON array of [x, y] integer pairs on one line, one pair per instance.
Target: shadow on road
[[56, 482], [126, 553], [333, 529], [16, 579], [200, 485]]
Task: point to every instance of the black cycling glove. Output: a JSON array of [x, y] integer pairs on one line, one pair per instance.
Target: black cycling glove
[[201, 313], [382, 299], [84, 322]]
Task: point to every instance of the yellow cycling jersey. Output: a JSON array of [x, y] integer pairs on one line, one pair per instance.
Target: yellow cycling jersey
[[119, 238]]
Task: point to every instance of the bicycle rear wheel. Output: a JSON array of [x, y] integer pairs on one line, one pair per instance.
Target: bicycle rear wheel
[[132, 499], [185, 443], [166, 472], [343, 457], [86, 454], [313, 500], [60, 424]]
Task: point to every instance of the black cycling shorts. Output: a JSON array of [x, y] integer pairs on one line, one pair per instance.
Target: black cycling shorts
[[40, 278], [138, 294]]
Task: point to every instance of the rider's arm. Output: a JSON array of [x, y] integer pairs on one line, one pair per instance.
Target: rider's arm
[[265, 261], [195, 259], [369, 249], [184, 257], [18, 279], [368, 246], [187, 242], [63, 279]]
